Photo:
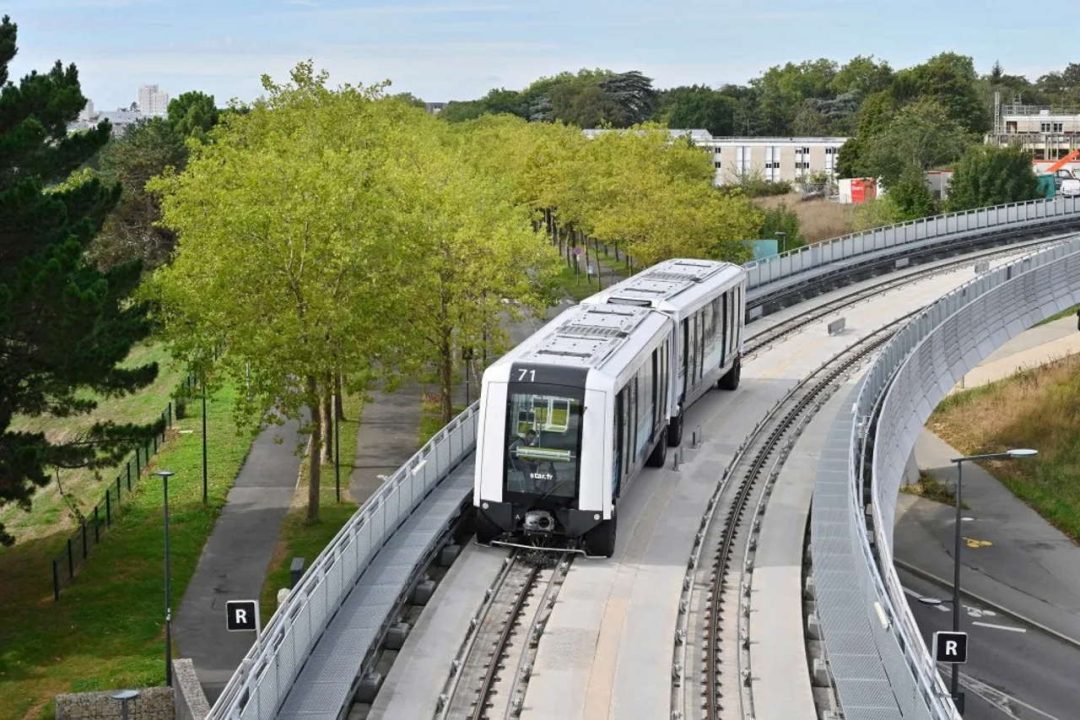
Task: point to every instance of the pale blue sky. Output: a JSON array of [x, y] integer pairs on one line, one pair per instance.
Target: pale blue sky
[[458, 49]]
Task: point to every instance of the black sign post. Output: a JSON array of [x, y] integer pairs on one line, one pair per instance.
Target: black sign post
[[950, 647], [242, 616]]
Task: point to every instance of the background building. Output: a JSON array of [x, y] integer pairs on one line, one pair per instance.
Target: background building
[[774, 159], [152, 101], [1047, 132]]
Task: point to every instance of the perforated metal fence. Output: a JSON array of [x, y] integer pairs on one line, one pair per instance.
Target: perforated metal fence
[[267, 672], [860, 600], [770, 275]]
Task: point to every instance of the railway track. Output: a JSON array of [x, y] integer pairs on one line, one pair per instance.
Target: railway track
[[767, 337], [491, 672], [710, 666]]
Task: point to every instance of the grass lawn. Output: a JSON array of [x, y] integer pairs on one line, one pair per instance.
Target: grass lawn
[[49, 513], [107, 629], [1036, 409], [431, 420], [299, 538]]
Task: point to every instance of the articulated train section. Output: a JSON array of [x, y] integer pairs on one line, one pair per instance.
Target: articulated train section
[[728, 594]]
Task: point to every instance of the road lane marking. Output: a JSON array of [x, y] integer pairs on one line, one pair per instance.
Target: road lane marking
[[998, 627], [998, 698]]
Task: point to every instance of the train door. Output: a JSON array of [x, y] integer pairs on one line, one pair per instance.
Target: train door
[[723, 334], [684, 371], [620, 428], [699, 319]]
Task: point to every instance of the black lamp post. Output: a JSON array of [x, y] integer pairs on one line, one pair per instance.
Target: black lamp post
[[165, 475], [954, 685], [205, 495], [782, 236]]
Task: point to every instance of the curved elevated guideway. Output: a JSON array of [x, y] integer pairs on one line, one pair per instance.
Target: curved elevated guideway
[[608, 636]]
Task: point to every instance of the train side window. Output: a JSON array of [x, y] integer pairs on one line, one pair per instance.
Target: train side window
[[710, 329]]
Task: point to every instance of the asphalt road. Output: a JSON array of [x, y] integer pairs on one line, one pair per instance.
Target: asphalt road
[[1013, 670]]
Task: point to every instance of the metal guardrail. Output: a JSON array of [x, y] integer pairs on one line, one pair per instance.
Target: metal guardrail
[[915, 370], [905, 236], [267, 672]]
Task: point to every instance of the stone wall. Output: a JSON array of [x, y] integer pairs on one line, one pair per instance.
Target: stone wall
[[191, 703], [154, 703]]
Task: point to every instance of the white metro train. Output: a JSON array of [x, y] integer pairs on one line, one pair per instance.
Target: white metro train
[[569, 417]]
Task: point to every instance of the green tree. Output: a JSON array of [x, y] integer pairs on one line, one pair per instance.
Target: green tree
[[910, 195], [282, 222], [992, 176], [951, 81], [698, 106], [462, 247], [192, 114], [64, 326], [132, 231], [782, 219], [632, 95], [921, 136], [783, 88], [862, 75]]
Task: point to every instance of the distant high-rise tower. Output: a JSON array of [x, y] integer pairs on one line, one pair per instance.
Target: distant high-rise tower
[[152, 101]]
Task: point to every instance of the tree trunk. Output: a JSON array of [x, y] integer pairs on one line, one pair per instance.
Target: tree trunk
[[446, 382], [314, 466], [339, 408], [328, 423]]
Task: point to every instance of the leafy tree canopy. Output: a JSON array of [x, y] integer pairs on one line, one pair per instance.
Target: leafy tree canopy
[[192, 114], [992, 176]]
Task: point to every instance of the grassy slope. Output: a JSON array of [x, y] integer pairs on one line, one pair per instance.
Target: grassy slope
[[1037, 409], [49, 513], [107, 629]]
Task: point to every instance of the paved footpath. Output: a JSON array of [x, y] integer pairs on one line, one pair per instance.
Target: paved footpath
[[386, 438], [235, 559], [1011, 556]]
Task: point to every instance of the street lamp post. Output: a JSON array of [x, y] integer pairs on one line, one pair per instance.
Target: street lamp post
[[954, 685], [205, 490], [165, 475]]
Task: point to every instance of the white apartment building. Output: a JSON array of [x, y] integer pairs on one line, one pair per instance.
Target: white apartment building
[[773, 158], [153, 102]]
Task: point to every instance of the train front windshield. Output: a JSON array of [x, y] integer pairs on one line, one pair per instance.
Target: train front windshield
[[543, 435]]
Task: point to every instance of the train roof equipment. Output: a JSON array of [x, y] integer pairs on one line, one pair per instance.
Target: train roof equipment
[[672, 286], [588, 337]]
